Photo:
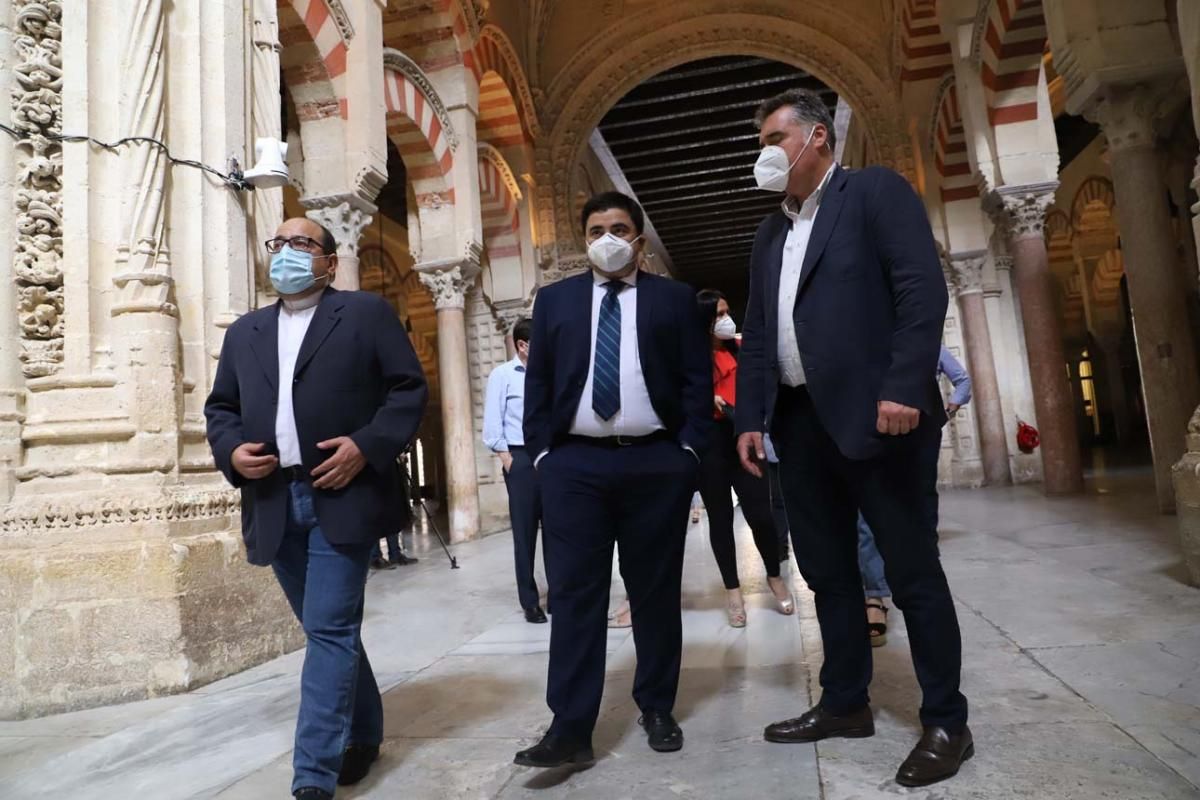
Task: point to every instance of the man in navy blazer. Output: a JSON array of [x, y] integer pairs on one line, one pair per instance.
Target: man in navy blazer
[[839, 352], [314, 399], [618, 399]]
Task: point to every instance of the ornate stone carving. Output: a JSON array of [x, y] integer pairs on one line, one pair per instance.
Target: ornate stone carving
[[509, 312], [966, 272], [143, 273], [448, 287], [978, 31], [1026, 208], [345, 220], [37, 114], [395, 60], [1128, 116], [1003, 263], [337, 10], [70, 514], [565, 266]]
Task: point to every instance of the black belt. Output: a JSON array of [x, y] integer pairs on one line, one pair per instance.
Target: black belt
[[622, 441], [296, 474]]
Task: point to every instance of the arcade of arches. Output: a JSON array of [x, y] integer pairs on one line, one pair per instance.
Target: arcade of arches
[[448, 145]]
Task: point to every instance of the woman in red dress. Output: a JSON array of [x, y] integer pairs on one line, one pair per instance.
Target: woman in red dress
[[720, 472]]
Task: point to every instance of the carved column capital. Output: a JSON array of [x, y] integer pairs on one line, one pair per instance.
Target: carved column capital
[[448, 286], [967, 272], [345, 216], [1025, 208], [509, 313], [567, 264], [1129, 115]]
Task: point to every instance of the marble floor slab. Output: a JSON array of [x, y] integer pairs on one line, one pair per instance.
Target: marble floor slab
[[1081, 663]]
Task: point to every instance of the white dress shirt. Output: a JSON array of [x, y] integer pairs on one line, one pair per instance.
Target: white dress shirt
[[293, 324], [636, 416], [791, 369]]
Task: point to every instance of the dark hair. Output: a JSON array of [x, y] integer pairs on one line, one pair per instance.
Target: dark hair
[[807, 108], [606, 200], [328, 243], [707, 301], [521, 330]]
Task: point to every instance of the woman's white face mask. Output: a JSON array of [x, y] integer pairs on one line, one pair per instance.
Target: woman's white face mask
[[772, 169], [725, 328]]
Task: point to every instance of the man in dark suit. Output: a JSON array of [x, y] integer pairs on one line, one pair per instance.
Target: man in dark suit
[[839, 352], [618, 399], [314, 399]]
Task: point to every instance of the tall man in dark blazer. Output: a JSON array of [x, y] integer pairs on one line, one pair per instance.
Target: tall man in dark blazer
[[839, 352], [314, 399], [618, 398]]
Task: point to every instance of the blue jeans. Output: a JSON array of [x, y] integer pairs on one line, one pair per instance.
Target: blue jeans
[[339, 699], [870, 563]]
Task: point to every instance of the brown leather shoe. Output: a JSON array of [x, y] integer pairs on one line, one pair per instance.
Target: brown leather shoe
[[817, 724], [936, 757]]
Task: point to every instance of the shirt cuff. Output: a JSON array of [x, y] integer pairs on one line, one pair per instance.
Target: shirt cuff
[[541, 455], [693, 452], [500, 447]]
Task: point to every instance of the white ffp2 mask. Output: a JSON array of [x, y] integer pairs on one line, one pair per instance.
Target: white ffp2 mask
[[610, 253], [725, 328], [772, 168]]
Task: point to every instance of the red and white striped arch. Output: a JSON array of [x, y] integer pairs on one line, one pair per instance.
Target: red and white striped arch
[[322, 29], [506, 113], [419, 135], [434, 33], [927, 54], [501, 221], [950, 150], [1012, 49]]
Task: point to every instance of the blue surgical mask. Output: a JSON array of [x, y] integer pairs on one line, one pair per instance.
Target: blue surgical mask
[[292, 271]]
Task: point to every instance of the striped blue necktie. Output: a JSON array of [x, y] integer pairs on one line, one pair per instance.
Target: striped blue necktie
[[606, 377]]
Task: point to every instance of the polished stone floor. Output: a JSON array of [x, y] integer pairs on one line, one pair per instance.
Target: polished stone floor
[[1082, 664]]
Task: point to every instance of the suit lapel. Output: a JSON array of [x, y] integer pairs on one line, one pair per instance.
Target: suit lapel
[[329, 314], [265, 345], [827, 217]]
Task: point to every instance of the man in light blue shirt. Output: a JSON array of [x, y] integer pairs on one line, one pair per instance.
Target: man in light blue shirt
[[503, 414], [948, 365]]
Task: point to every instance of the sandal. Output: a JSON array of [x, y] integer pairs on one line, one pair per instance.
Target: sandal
[[736, 612], [878, 630], [785, 604], [622, 617]]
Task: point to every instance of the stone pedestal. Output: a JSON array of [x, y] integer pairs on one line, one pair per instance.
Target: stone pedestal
[[968, 284], [448, 287], [1166, 352], [1026, 208]]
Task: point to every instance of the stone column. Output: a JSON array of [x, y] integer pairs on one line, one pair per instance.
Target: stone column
[[448, 284], [968, 284], [1166, 352], [1061, 466], [265, 121], [346, 217]]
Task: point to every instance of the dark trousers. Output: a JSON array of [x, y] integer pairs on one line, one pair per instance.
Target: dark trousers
[[778, 510], [638, 498], [525, 513], [825, 490], [719, 472], [339, 699]]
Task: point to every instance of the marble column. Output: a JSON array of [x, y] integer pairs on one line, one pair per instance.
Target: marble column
[[1166, 352], [1026, 210], [265, 121], [448, 286], [981, 365], [346, 217]]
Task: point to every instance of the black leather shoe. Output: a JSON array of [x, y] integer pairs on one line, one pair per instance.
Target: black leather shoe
[[311, 793], [817, 724], [535, 615], [936, 757], [356, 763], [555, 751], [664, 732]]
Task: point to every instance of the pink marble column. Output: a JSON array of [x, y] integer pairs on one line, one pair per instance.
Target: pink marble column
[[1026, 210], [967, 280]]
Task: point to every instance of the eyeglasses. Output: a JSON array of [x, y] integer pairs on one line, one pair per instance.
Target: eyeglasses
[[305, 244]]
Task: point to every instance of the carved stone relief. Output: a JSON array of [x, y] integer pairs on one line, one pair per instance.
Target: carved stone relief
[[37, 114], [448, 287], [1026, 208]]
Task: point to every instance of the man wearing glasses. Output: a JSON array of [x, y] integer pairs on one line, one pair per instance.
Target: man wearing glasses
[[314, 399]]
